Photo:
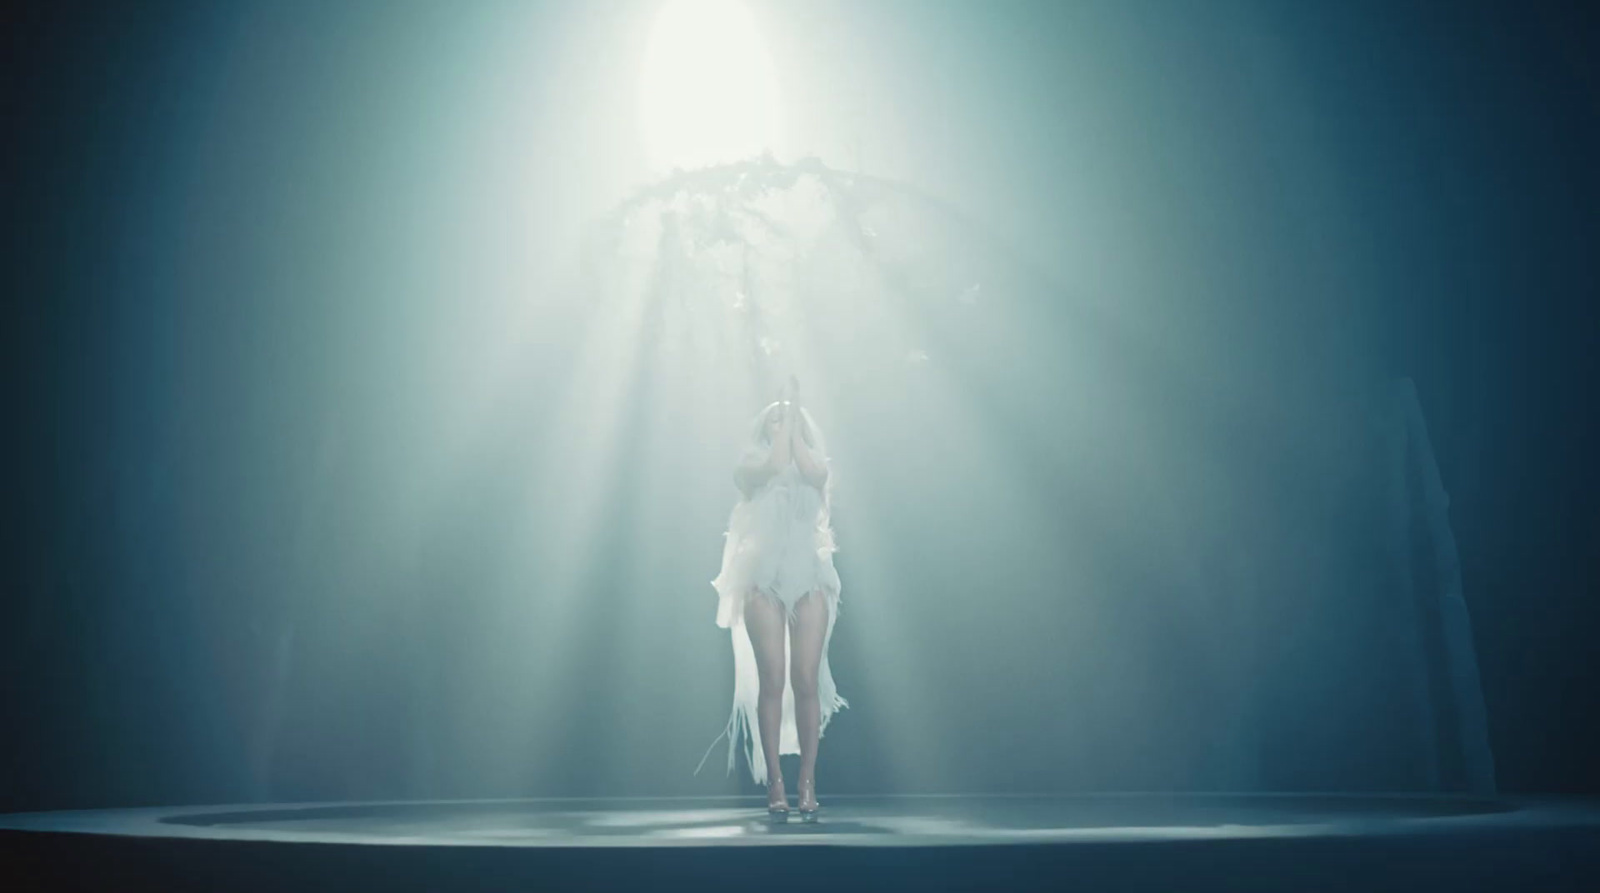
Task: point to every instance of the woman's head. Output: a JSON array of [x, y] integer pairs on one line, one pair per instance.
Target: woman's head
[[771, 421], [765, 430]]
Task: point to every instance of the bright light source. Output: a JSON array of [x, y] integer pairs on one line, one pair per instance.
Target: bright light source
[[707, 92]]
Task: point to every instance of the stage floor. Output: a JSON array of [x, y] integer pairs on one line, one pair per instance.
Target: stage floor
[[1131, 841]]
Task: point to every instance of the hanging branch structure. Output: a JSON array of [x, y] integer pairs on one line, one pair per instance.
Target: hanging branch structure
[[789, 264]]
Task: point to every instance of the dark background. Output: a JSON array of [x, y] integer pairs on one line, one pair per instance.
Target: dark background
[[1464, 134]]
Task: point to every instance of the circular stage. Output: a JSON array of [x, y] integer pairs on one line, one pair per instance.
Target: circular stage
[[1133, 841]]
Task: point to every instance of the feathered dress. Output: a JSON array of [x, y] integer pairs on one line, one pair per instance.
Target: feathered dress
[[779, 543]]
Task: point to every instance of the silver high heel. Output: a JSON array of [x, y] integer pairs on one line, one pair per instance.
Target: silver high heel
[[808, 800], [777, 809]]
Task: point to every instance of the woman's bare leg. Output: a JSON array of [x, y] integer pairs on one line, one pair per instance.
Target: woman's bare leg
[[810, 628], [765, 622]]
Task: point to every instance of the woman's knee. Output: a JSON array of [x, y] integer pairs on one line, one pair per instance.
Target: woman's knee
[[772, 683], [804, 681]]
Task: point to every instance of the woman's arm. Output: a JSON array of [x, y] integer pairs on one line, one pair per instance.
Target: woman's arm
[[813, 468], [751, 475]]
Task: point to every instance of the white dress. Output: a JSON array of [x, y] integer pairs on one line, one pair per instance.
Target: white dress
[[779, 542]]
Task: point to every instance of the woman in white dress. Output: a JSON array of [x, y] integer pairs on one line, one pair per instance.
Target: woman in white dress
[[778, 594]]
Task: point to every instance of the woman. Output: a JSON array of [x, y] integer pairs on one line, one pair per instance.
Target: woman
[[779, 595]]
